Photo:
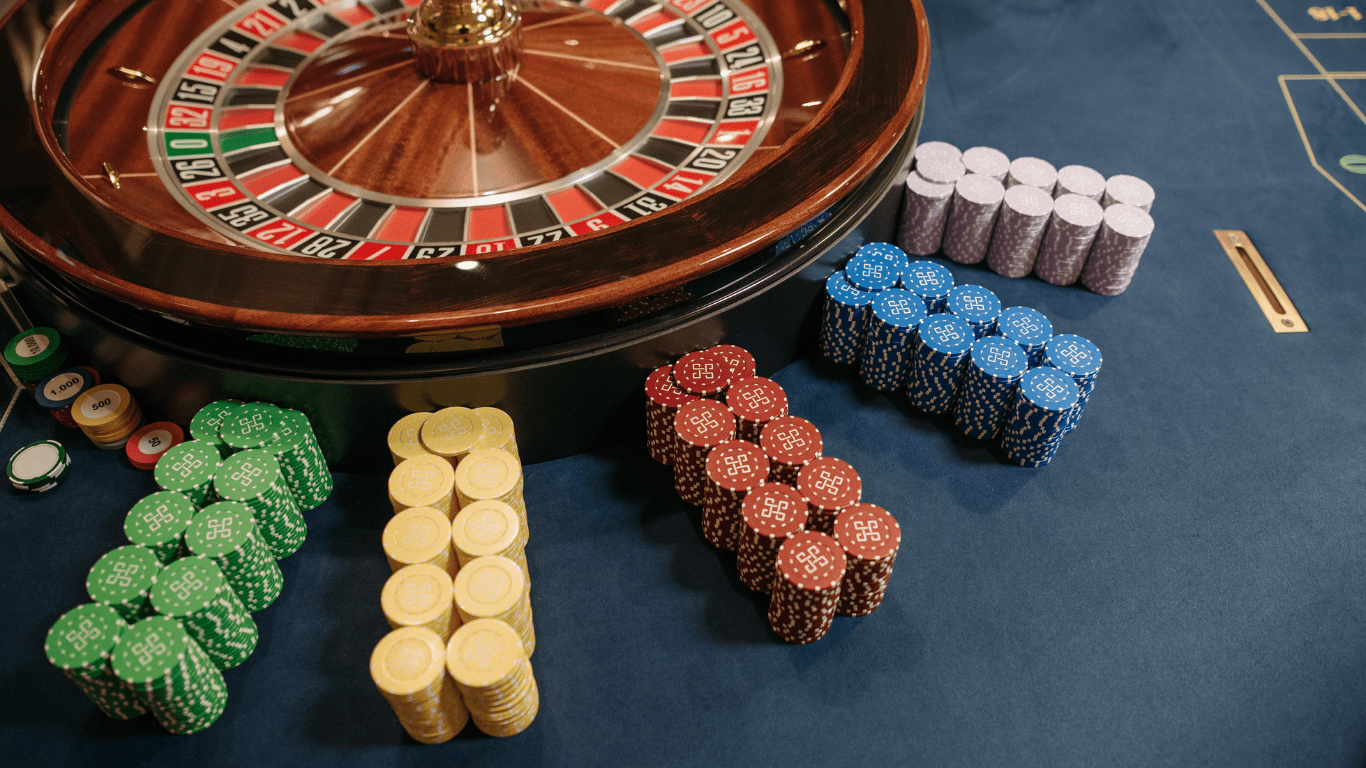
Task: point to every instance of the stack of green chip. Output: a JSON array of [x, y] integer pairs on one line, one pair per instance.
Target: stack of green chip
[[194, 591], [226, 534], [80, 645], [189, 468], [250, 425], [158, 657], [253, 477], [158, 522], [35, 353], [204, 425], [301, 459], [123, 579]]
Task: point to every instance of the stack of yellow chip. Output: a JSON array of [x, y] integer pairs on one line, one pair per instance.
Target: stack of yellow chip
[[420, 596], [497, 431], [490, 473], [494, 677], [489, 528], [405, 441], [107, 414], [409, 668], [495, 587], [420, 535], [450, 432], [423, 481]]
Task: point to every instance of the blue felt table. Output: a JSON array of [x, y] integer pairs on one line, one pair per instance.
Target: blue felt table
[[1184, 585]]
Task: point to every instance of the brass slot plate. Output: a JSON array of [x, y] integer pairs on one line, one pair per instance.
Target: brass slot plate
[[1277, 307]]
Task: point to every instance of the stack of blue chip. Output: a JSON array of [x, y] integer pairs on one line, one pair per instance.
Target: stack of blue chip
[[995, 367], [941, 351], [1079, 359], [872, 270], [929, 281], [892, 254], [1038, 421], [894, 316], [1028, 328], [977, 305], [843, 320]]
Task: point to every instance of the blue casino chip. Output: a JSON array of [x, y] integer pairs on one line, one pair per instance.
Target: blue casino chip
[[898, 307], [1073, 355], [872, 271], [839, 290], [999, 358], [977, 305], [894, 255], [1049, 389], [844, 320], [946, 334], [930, 281], [1028, 328]]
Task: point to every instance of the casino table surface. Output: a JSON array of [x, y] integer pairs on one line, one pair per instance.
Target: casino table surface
[[1185, 584]]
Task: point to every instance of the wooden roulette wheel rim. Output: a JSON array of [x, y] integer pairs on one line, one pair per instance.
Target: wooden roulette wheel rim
[[156, 271]]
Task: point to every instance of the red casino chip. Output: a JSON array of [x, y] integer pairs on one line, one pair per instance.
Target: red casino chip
[[699, 426], [790, 442], [705, 373], [662, 400], [828, 485], [772, 512], [811, 561], [756, 401], [145, 446], [741, 361], [734, 468], [808, 576], [870, 538]]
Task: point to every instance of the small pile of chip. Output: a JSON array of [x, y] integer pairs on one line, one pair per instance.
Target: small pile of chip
[[122, 579], [809, 569], [38, 467], [194, 591], [408, 667], [420, 596], [456, 545], [773, 485], [146, 446], [488, 663], [36, 353], [81, 643], [954, 361], [107, 414], [204, 425], [226, 533], [253, 477], [158, 522], [184, 687], [1025, 215], [59, 390], [870, 538], [189, 468], [301, 459]]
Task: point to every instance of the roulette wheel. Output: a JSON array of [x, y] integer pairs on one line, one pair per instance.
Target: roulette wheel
[[364, 207]]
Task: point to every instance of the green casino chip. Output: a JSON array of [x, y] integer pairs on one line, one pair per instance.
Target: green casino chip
[[80, 644], [38, 466], [35, 353], [204, 425], [158, 657], [123, 578], [226, 533], [254, 478], [195, 591], [251, 425], [158, 522], [189, 468]]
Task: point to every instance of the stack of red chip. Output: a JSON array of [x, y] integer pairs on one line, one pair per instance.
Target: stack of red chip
[[870, 538], [789, 442], [699, 426], [742, 364], [146, 446], [772, 512], [663, 398], [828, 485], [734, 468], [756, 401], [705, 374], [806, 587]]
